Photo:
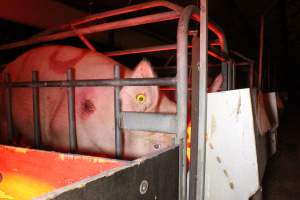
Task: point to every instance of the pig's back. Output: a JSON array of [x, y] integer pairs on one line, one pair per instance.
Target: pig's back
[[52, 63]]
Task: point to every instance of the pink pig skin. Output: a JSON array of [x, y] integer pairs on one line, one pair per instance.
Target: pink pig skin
[[93, 105]]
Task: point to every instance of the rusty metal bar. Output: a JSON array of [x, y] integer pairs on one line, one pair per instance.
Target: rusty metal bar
[[97, 28], [97, 82], [36, 112], [182, 66], [8, 106], [71, 112], [117, 110]]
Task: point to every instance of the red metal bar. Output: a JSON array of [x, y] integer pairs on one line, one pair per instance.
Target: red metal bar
[[211, 25], [143, 50], [212, 51], [97, 28], [84, 40], [119, 11]]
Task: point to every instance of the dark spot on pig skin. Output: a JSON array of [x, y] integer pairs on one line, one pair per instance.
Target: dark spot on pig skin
[[88, 106], [61, 66]]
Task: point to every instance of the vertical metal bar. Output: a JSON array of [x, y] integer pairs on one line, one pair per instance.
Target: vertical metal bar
[[233, 75], [251, 75], [8, 106], [71, 112], [182, 66], [118, 131], [36, 111], [261, 50], [195, 117], [224, 71], [229, 75], [201, 161]]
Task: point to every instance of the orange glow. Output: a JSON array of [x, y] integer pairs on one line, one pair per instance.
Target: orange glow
[[188, 142], [16, 186], [28, 173]]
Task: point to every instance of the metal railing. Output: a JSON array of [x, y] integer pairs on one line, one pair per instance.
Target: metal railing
[[168, 123]]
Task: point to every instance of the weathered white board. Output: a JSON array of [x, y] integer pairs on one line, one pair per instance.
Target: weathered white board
[[232, 165]]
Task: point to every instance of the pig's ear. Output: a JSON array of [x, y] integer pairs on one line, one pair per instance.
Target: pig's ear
[[143, 70], [140, 98]]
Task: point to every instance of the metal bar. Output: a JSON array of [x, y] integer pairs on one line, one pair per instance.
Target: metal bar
[[166, 68], [225, 73], [98, 82], [36, 112], [212, 51], [71, 112], [8, 106], [194, 116], [211, 25], [115, 12], [172, 89], [182, 66], [229, 76], [143, 50], [84, 40], [201, 160], [233, 75], [216, 53], [97, 28], [251, 75], [164, 123], [117, 104], [261, 50], [242, 56]]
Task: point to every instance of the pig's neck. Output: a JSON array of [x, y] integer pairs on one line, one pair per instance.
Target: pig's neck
[[166, 105]]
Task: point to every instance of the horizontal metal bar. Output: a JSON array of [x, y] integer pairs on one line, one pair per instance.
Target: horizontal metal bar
[[216, 53], [111, 13], [96, 82], [212, 51], [249, 60], [165, 123], [97, 28], [166, 47]]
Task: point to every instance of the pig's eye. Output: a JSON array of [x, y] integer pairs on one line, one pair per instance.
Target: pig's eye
[[140, 98], [156, 146]]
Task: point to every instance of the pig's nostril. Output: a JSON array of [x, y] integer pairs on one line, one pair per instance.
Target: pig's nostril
[[156, 146]]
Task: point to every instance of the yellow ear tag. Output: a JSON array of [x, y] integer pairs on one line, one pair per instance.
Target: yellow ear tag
[[140, 98]]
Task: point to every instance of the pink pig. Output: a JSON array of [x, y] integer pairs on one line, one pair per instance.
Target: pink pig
[[93, 105]]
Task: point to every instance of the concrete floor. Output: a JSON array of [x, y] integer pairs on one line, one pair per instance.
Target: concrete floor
[[282, 177]]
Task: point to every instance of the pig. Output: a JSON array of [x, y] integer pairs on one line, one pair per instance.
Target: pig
[[94, 109]]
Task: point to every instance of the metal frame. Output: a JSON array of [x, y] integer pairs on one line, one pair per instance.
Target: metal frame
[[245, 62], [126, 119]]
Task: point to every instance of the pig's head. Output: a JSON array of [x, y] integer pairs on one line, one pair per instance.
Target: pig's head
[[145, 99]]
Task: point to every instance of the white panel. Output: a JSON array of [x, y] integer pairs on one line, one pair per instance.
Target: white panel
[[232, 169]]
